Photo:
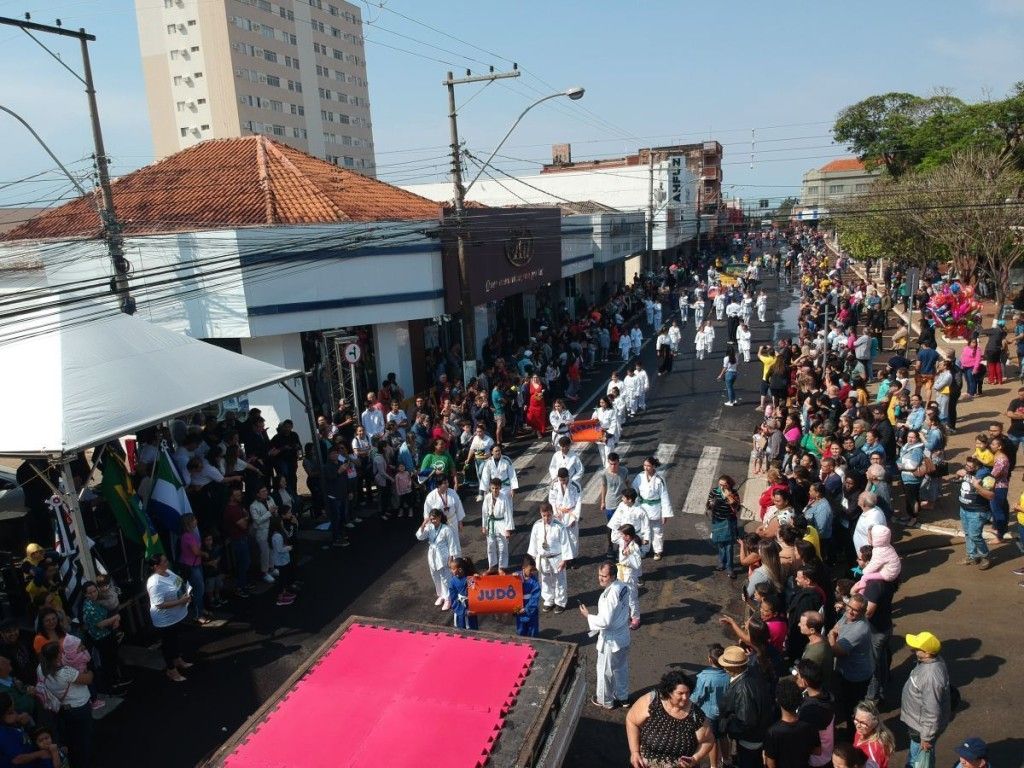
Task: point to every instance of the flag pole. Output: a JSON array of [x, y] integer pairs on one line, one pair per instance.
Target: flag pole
[[84, 553]]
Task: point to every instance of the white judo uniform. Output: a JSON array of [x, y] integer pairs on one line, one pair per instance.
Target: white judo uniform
[[497, 523], [643, 383], [631, 393], [611, 625], [652, 495], [548, 545], [762, 306], [608, 420], [743, 343], [635, 515], [629, 569], [439, 551], [502, 469], [675, 335], [560, 421], [451, 505], [567, 500], [570, 460]]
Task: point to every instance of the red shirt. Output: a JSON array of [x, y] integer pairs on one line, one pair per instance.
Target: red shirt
[[232, 514]]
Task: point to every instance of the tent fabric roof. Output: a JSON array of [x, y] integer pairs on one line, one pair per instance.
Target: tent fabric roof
[[241, 182], [85, 382]]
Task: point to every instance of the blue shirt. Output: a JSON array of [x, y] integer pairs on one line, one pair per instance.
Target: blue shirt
[[819, 514], [711, 684], [926, 360], [915, 419], [13, 742]]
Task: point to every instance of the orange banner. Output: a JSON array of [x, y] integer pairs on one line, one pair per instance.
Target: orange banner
[[495, 594], [585, 431]]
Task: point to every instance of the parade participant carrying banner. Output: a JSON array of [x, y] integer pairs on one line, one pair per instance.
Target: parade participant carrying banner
[[495, 594], [585, 431]]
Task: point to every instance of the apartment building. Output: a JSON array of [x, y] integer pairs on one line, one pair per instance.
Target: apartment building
[[837, 180], [294, 70]]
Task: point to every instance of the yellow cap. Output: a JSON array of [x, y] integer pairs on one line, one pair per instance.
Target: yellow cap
[[924, 641], [33, 548]]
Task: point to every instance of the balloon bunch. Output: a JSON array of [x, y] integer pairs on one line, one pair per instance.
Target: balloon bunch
[[955, 310]]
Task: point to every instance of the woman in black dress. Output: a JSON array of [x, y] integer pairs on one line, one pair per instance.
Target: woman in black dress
[[665, 728]]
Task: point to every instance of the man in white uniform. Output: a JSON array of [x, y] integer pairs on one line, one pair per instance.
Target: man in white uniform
[[501, 468], [743, 342], [567, 459], [762, 306], [611, 625], [479, 449], [630, 391], [548, 544], [564, 497], [497, 525], [448, 501], [652, 495], [675, 335], [636, 340], [643, 382]]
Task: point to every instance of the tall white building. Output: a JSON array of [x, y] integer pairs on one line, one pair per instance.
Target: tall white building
[[291, 69]]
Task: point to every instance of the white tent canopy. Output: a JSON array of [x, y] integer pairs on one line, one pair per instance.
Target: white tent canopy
[[84, 382]]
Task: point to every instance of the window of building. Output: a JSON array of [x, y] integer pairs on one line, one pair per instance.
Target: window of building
[[184, 132], [321, 49], [294, 86], [291, 61], [174, 55], [861, 187], [812, 190], [332, 9], [274, 80], [191, 22], [178, 79], [180, 106], [298, 133], [339, 55], [204, 127], [350, 162], [276, 106], [197, 75], [298, 109], [266, 6], [267, 32], [318, 26], [836, 189], [316, 4], [172, 29], [343, 118], [286, 14], [270, 56], [278, 130], [194, 49]]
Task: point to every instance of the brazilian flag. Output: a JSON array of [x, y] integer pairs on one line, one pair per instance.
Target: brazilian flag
[[119, 492]]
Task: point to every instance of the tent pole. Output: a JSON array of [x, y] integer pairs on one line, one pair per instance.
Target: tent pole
[[318, 457], [84, 553]]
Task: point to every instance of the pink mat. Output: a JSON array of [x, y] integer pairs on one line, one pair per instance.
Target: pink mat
[[392, 697]]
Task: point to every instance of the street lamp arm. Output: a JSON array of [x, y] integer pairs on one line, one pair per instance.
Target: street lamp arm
[[572, 93], [42, 143]]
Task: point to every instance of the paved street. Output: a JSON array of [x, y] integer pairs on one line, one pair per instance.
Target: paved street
[[384, 574]]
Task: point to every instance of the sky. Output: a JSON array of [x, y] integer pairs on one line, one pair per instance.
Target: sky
[[764, 80]]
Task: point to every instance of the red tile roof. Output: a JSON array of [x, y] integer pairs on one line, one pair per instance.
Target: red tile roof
[[243, 182], [843, 164]]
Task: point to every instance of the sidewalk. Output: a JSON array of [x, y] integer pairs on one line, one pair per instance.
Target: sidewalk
[[973, 416]]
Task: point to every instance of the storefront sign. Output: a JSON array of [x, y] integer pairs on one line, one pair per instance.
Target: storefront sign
[[508, 251]]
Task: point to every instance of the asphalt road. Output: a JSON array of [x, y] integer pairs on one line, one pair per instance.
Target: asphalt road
[[240, 663]]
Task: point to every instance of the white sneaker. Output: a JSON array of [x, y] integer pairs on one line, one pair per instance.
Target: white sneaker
[[274, 572], [479, 498], [268, 578], [729, 402], [446, 606], [350, 525], [439, 601]]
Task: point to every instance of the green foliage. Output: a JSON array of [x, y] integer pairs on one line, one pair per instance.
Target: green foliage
[[903, 132]]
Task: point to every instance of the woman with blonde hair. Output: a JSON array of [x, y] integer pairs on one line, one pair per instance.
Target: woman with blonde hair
[[871, 736]]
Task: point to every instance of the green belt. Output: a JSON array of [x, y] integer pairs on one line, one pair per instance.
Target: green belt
[[651, 501]]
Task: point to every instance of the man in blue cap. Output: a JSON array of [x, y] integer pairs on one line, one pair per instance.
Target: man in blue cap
[[973, 753]]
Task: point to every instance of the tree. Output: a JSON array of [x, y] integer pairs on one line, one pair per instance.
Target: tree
[[882, 129], [785, 208], [875, 225]]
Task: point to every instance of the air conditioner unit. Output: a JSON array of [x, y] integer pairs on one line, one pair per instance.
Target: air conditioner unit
[[184, 53]]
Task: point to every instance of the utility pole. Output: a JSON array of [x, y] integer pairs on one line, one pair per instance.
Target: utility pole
[[468, 319], [108, 215], [650, 210], [700, 188]]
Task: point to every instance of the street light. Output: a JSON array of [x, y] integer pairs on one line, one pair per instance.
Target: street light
[[575, 93]]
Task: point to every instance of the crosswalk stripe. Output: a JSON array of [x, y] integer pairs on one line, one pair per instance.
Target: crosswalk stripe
[[592, 491], [527, 458], [665, 453], [703, 479]]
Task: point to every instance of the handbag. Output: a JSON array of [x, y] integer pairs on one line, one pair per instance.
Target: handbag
[[926, 467], [721, 532]]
